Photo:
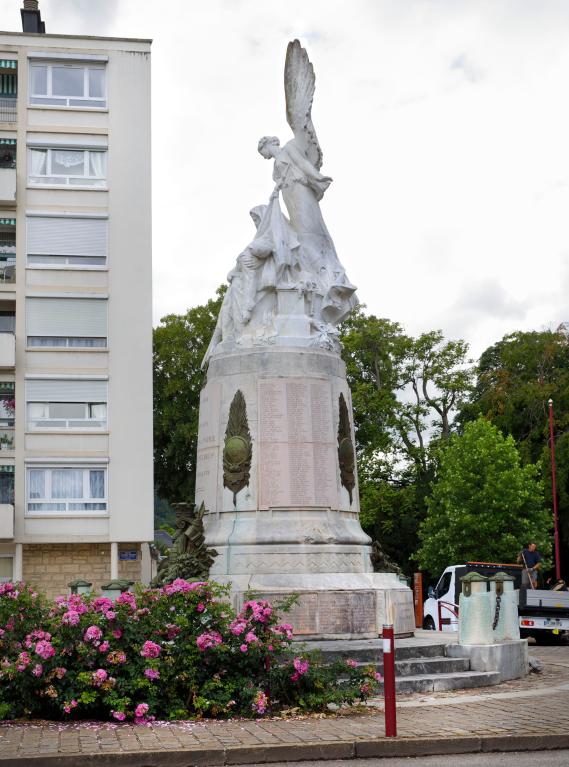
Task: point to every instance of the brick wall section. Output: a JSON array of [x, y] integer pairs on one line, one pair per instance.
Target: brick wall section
[[51, 566], [130, 569]]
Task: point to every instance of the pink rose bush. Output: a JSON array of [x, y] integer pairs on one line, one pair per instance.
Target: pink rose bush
[[88, 657]]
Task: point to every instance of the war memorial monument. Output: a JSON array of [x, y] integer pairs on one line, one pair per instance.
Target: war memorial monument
[[276, 464]]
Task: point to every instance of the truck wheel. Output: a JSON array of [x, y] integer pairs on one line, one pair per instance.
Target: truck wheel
[[429, 624]]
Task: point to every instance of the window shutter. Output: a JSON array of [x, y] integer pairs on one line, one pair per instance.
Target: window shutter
[[67, 317], [66, 236], [62, 390]]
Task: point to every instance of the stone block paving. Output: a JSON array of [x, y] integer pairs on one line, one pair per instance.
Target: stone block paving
[[535, 706]]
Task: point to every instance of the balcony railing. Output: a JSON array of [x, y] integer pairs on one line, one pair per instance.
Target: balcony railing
[[7, 346], [8, 109], [6, 521]]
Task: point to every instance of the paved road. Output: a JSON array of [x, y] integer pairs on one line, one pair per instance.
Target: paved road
[[514, 759]]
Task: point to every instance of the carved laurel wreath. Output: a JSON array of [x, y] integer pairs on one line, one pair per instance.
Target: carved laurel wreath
[[237, 447], [346, 453]]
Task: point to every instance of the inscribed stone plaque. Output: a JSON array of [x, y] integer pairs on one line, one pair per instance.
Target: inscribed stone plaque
[[302, 616], [208, 431], [297, 460], [363, 612], [334, 612]]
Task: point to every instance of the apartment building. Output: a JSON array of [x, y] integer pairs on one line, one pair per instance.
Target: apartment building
[[76, 496]]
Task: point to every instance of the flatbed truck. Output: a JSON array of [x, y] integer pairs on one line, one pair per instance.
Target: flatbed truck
[[543, 613]]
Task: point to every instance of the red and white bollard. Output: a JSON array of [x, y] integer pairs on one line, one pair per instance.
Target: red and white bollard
[[389, 682]]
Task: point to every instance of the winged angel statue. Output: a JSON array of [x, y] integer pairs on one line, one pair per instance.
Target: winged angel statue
[[295, 253]]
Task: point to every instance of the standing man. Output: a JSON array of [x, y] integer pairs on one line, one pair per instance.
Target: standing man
[[530, 558]]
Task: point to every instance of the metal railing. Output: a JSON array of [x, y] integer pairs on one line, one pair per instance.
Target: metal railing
[[451, 608], [8, 110]]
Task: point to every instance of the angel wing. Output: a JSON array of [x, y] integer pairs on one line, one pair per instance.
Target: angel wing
[[299, 82]]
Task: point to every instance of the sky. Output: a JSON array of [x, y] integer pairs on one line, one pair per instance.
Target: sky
[[444, 124]]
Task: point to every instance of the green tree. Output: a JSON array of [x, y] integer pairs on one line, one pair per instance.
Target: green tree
[[515, 379], [405, 392], [180, 342], [484, 505]]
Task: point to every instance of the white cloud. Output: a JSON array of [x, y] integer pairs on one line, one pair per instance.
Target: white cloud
[[444, 124]]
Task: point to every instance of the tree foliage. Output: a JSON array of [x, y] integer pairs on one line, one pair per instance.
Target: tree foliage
[[484, 505], [180, 342], [405, 392], [515, 379]]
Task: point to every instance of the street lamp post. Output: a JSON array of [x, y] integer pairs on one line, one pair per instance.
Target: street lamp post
[[554, 491]]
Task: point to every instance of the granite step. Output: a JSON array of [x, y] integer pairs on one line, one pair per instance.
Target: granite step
[[438, 665], [442, 682], [371, 651]]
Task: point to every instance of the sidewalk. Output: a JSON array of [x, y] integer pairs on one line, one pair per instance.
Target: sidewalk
[[532, 713]]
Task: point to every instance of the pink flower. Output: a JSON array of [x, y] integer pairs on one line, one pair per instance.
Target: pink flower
[[102, 604], [285, 629], [104, 646], [150, 650], [45, 649], [23, 661], [172, 630], [93, 633], [117, 633], [110, 615], [151, 673], [261, 609], [301, 667], [116, 656], [237, 627], [37, 669], [208, 639], [60, 672], [260, 703], [377, 676], [251, 637], [365, 688], [351, 663], [71, 618], [201, 607], [68, 706], [120, 715], [244, 648], [127, 598], [99, 676], [141, 710]]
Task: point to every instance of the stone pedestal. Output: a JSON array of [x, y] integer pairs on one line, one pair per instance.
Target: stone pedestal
[[294, 527]]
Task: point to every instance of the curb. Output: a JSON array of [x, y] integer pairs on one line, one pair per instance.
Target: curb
[[295, 752]]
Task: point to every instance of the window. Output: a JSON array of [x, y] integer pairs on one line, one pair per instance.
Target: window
[[6, 488], [7, 322], [68, 85], [6, 569], [444, 584], [67, 415], [67, 167], [66, 241], [66, 323], [62, 490], [66, 404]]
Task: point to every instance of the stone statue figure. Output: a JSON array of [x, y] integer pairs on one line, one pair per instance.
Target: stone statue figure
[[294, 253]]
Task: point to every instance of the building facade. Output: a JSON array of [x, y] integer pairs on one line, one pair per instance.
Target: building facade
[[76, 487]]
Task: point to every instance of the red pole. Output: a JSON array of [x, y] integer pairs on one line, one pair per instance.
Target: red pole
[[389, 682], [440, 611], [418, 599], [554, 491]]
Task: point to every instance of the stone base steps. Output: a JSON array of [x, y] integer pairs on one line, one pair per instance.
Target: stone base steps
[[461, 680], [420, 666]]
